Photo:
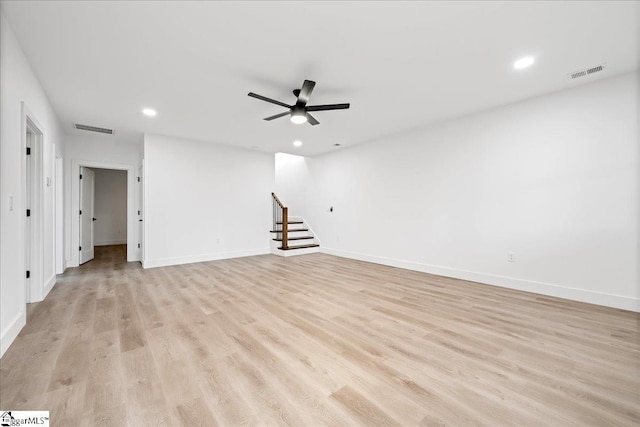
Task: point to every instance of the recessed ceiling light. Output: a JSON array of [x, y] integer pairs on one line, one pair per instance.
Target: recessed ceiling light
[[149, 112], [297, 143], [525, 62]]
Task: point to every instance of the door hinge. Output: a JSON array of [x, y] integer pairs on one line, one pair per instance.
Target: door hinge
[[138, 245], [28, 274], [80, 176], [79, 248], [138, 212], [28, 151], [80, 211], [138, 179], [28, 212]]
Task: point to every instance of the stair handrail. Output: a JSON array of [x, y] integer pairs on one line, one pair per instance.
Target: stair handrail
[[280, 211], [277, 200]]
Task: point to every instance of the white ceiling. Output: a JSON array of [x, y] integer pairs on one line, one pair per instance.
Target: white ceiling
[[401, 65]]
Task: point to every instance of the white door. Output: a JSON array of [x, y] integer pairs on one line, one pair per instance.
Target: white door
[[86, 214], [27, 224], [140, 217]]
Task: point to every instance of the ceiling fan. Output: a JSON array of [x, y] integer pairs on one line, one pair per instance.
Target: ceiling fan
[[299, 112]]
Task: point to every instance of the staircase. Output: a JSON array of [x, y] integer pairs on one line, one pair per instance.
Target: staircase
[[290, 235]]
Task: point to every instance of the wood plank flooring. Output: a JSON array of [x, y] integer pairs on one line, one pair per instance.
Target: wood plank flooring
[[315, 340]]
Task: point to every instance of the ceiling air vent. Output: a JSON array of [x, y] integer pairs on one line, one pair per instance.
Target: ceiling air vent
[[93, 129], [586, 72]]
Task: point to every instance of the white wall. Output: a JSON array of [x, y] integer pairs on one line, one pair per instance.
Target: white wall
[[18, 85], [204, 201], [553, 179], [98, 151], [110, 210], [294, 182]]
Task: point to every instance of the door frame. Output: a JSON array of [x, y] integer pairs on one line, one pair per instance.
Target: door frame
[[140, 212], [59, 210], [87, 214], [36, 285], [132, 250]]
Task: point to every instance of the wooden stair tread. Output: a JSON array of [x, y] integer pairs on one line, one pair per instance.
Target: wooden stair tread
[[299, 247], [295, 238], [290, 222], [290, 231]]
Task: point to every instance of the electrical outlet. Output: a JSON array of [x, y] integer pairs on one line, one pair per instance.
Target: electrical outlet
[[511, 257]]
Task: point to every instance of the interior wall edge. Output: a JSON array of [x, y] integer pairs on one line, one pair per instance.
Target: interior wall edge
[[49, 284]]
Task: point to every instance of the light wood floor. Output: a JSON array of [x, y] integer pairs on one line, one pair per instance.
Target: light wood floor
[[315, 340]]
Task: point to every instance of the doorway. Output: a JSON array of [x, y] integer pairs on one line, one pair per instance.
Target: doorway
[[103, 210], [84, 229]]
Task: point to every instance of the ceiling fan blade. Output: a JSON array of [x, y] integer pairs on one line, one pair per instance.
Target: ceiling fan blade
[[327, 107], [286, 113], [264, 98], [312, 120], [305, 92]]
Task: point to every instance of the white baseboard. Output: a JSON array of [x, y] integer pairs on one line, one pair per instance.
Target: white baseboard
[[48, 286], [10, 333], [582, 295], [110, 242], [163, 262], [295, 252]]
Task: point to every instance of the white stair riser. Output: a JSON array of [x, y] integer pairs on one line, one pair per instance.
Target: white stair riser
[[294, 252], [292, 234], [305, 251]]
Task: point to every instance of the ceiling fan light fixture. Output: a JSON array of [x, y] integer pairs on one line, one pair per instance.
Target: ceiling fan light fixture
[[298, 118]]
